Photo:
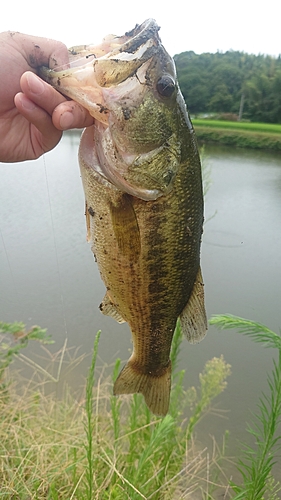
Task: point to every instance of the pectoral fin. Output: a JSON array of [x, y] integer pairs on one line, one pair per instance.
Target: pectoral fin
[[193, 318], [126, 228], [108, 308]]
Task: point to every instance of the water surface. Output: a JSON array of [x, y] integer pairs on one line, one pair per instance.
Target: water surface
[[48, 275]]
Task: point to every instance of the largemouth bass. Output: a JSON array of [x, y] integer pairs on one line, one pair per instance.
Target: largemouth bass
[[141, 175]]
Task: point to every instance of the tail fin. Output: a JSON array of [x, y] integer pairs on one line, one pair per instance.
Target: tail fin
[[155, 389]]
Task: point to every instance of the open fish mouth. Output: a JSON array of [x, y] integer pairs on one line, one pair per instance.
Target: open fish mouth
[[118, 82], [94, 67]]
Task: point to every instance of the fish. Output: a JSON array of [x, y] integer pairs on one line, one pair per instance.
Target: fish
[[141, 175]]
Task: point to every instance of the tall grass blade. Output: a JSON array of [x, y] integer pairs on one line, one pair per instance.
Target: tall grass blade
[[175, 348], [89, 426], [257, 331], [115, 402], [257, 462]]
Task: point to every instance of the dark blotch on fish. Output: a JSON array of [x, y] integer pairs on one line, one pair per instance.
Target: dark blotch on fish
[[91, 211], [126, 113]]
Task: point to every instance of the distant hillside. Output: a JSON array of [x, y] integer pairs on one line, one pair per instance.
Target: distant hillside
[[233, 82]]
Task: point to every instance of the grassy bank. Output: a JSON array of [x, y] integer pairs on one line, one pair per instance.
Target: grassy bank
[[98, 447], [239, 134]]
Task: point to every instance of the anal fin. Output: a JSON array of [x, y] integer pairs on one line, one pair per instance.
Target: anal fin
[[193, 318], [155, 389], [108, 308]]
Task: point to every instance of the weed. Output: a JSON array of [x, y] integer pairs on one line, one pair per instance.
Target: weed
[[258, 460], [105, 447], [13, 338]]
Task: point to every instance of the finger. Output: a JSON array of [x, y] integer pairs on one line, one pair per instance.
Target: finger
[[40, 92], [44, 135], [41, 51], [70, 114], [66, 114]]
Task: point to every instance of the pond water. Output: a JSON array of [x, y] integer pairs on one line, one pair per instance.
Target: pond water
[[48, 275]]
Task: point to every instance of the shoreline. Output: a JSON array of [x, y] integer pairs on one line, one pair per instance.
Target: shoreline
[[239, 134]]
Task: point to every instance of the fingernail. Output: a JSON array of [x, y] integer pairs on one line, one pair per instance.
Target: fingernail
[[35, 84], [66, 120], [27, 104]]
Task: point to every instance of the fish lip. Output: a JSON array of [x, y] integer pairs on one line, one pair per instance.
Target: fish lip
[[135, 47], [140, 34], [138, 37], [140, 47]]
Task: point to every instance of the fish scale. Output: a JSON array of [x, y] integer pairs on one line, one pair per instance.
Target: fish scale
[[141, 175]]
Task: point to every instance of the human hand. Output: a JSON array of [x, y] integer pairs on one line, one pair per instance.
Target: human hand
[[32, 113]]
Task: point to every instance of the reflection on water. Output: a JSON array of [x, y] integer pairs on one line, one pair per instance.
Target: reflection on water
[[48, 275]]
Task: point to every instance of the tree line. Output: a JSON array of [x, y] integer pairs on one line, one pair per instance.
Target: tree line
[[246, 85]]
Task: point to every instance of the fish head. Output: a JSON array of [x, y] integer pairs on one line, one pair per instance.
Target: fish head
[[128, 84]]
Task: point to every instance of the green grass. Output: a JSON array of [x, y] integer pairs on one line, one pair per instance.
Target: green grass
[[97, 446], [231, 125], [257, 461], [239, 134], [101, 447]]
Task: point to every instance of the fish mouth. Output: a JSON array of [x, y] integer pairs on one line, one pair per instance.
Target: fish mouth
[[98, 77], [92, 68]]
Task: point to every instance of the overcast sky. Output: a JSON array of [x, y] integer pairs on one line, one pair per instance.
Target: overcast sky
[[202, 26]]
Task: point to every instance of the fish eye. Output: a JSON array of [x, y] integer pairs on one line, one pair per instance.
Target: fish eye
[[165, 86]]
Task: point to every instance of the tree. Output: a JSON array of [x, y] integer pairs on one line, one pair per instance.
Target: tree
[[217, 82]]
